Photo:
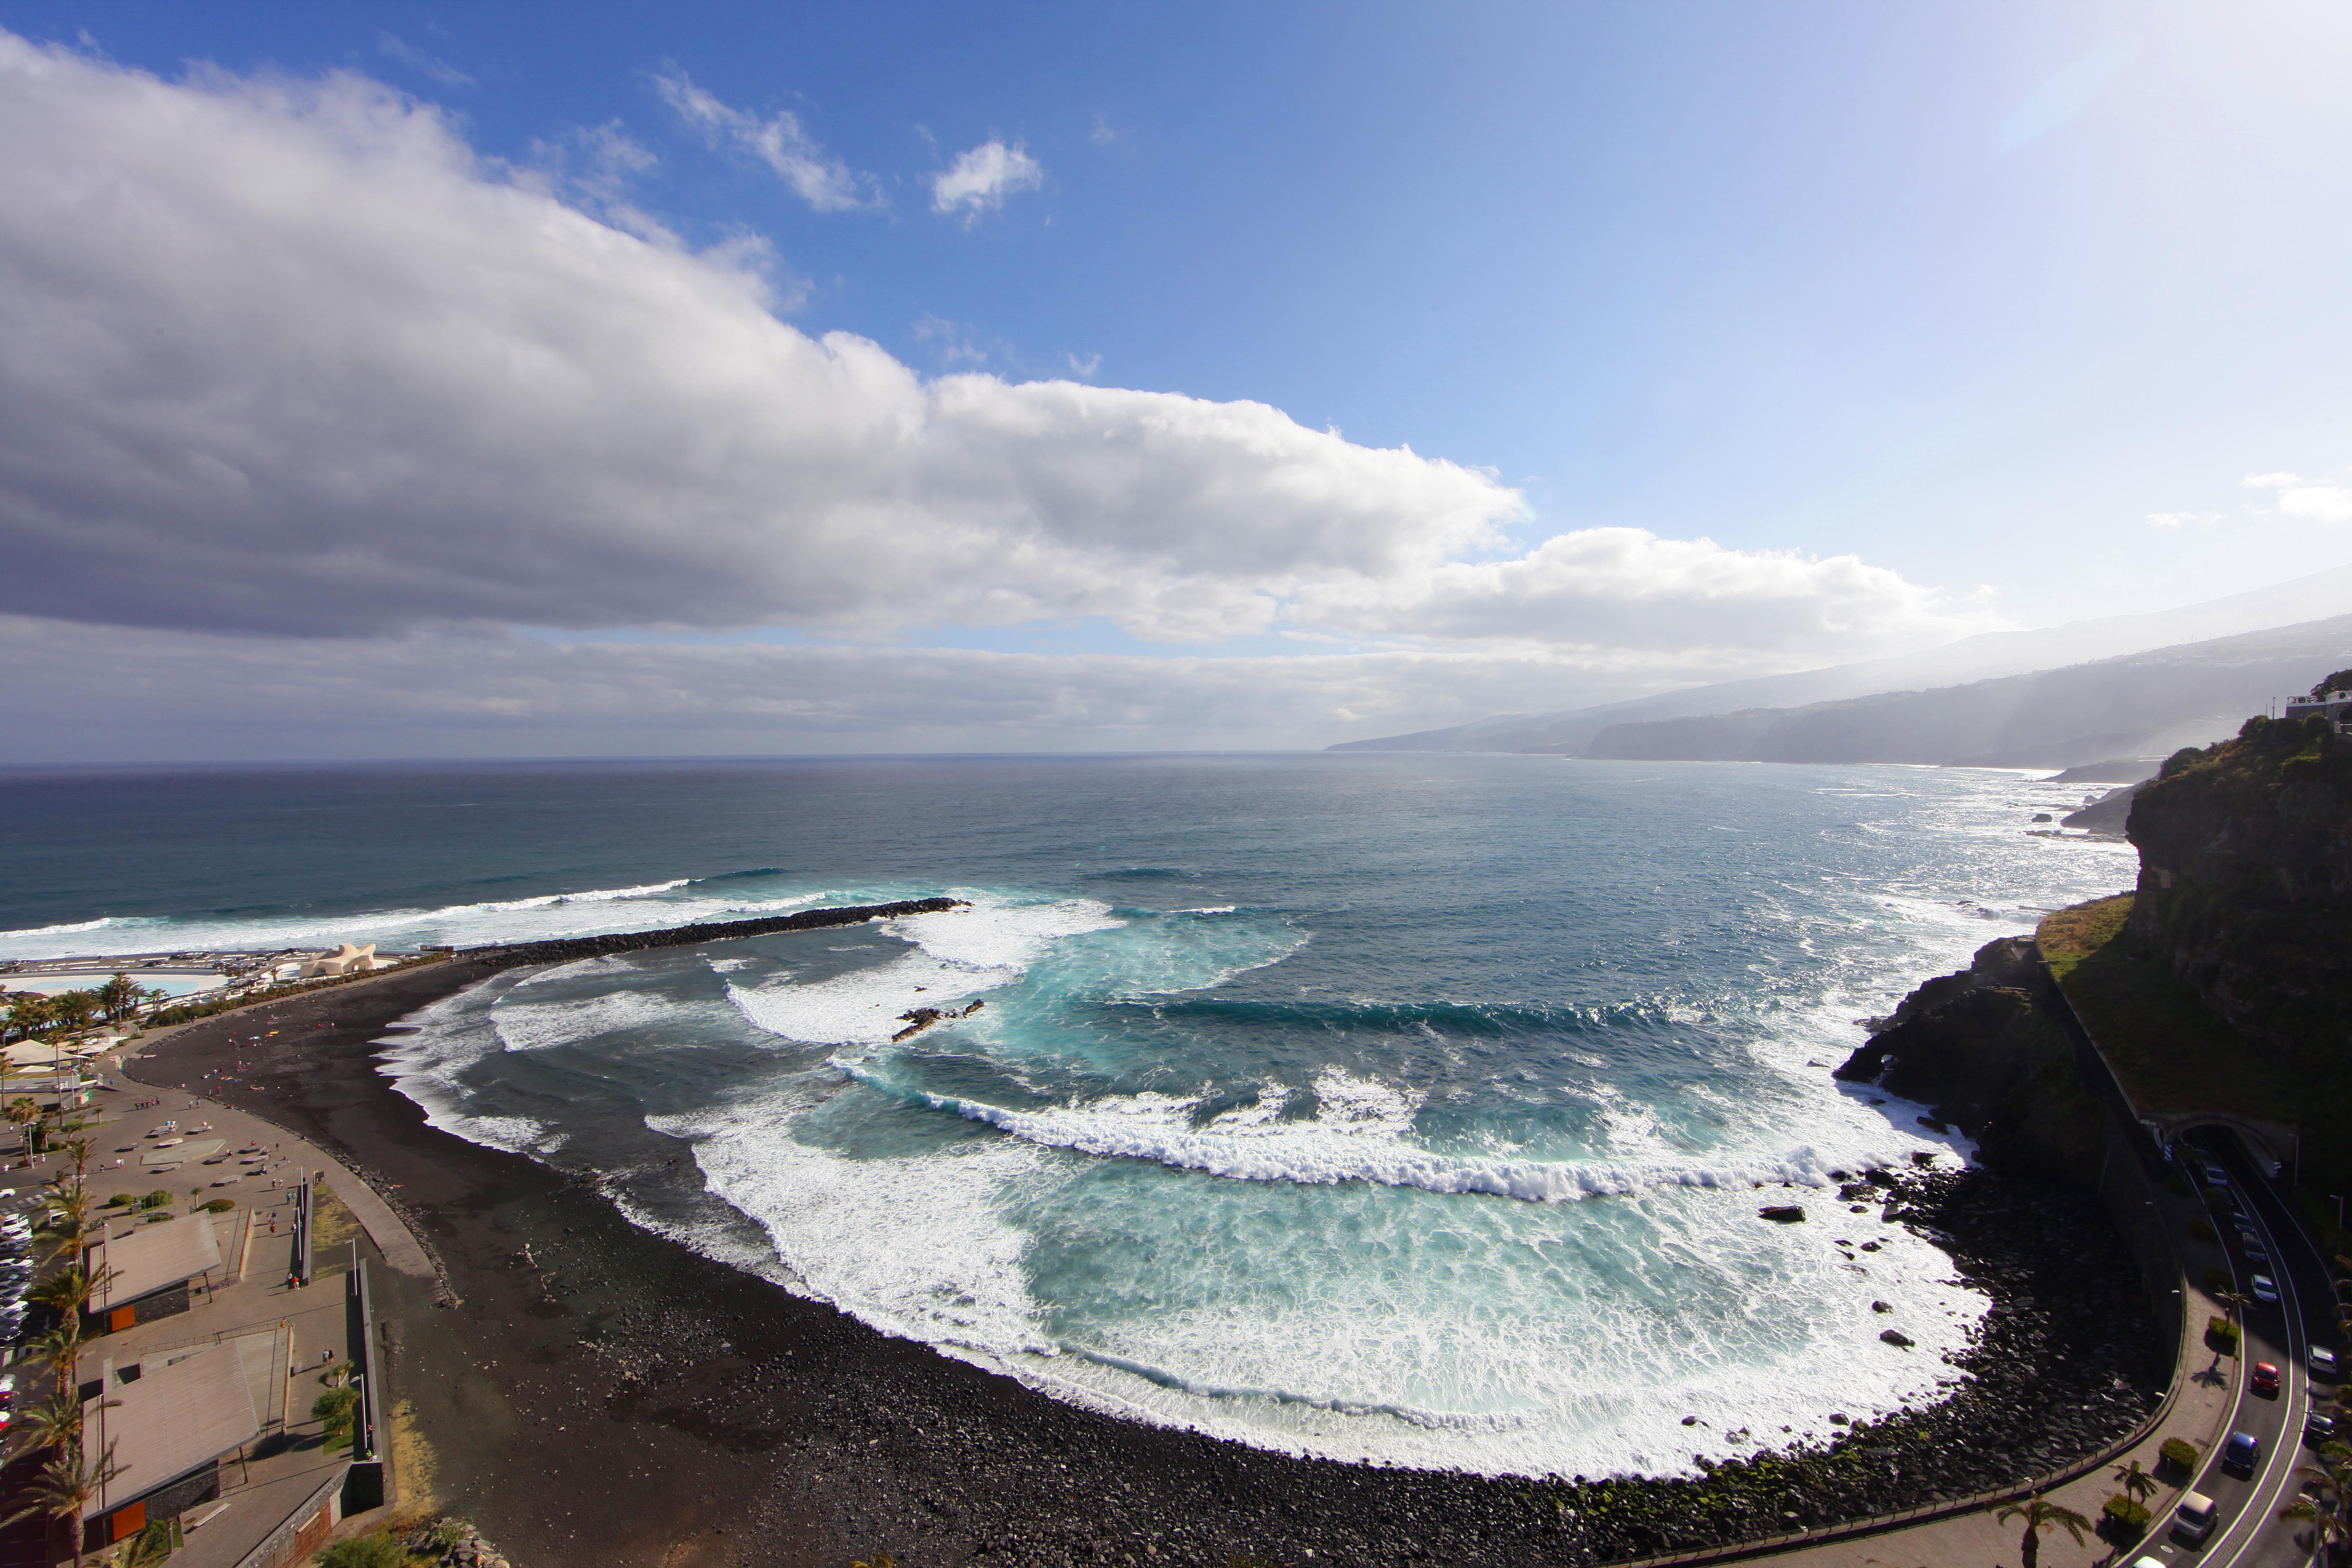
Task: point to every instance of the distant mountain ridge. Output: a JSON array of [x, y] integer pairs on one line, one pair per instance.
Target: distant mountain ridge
[[1993, 654], [2137, 705]]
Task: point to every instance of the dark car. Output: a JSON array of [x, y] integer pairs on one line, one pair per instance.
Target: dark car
[[2317, 1429], [2241, 1451], [2265, 1379]]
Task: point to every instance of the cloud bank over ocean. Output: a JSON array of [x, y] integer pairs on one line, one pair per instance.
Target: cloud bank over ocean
[[286, 368]]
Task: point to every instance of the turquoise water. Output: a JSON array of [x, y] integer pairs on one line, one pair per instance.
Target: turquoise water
[[1390, 1107]]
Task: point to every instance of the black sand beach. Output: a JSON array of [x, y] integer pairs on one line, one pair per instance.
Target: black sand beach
[[594, 1394]]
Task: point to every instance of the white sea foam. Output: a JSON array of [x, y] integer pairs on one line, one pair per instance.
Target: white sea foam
[[585, 912], [450, 1036], [863, 1007], [536, 1025], [1365, 1142], [960, 955], [951, 1275]]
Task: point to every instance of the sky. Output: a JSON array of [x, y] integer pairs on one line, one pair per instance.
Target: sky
[[703, 378]]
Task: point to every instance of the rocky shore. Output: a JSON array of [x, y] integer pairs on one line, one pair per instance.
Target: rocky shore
[[600, 1394]]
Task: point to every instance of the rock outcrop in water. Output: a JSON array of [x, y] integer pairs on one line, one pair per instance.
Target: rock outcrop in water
[[1984, 1048]]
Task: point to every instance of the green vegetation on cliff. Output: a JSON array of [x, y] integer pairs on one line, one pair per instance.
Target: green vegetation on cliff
[[2168, 1052], [2228, 975]]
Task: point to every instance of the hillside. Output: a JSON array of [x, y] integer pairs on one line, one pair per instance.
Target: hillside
[[1985, 657], [2144, 704]]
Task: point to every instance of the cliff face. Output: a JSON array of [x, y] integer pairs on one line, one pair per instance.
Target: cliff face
[[1985, 1050], [2245, 885]]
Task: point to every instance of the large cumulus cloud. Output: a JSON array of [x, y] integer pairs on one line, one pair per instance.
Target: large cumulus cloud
[[284, 354], [285, 366]]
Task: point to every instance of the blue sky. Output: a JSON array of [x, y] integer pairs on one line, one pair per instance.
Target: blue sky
[[1971, 292]]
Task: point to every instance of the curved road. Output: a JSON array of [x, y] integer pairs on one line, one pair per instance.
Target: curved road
[[2250, 1534]]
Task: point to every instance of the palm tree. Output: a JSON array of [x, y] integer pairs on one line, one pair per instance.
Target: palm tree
[[2233, 1302], [28, 1011], [2137, 1484], [72, 1009], [23, 1111], [118, 995], [2326, 1499], [65, 1488], [2040, 1514]]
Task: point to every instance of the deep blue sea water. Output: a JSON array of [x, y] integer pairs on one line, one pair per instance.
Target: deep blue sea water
[[1391, 1106]]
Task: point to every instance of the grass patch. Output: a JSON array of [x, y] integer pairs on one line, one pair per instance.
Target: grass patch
[[2169, 1051]]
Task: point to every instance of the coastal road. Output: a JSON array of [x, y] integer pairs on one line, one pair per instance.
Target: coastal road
[[2252, 1536]]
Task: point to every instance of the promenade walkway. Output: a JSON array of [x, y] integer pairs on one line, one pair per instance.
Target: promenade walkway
[[290, 1334]]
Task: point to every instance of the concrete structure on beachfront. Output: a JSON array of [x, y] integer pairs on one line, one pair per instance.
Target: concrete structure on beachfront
[[345, 960], [168, 1421], [146, 1274]]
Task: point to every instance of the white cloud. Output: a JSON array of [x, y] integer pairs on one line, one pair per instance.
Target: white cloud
[[2301, 497], [1628, 588], [394, 46], [1084, 369], [826, 183], [285, 357], [1101, 134], [981, 178], [2169, 520]]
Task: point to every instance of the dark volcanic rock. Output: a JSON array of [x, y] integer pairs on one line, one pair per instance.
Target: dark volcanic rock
[[1985, 1048], [1784, 1214]]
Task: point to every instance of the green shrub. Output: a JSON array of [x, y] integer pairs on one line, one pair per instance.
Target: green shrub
[[365, 1552], [2180, 1189], [2182, 1452], [2127, 1513], [2216, 1279], [334, 1408], [118, 1200], [220, 1206], [2201, 1231], [2221, 1329], [159, 1198]]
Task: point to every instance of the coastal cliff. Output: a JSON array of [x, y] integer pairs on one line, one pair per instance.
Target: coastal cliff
[[2245, 888], [1984, 1048]]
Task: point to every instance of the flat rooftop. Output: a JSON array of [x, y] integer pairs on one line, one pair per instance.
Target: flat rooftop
[[152, 1256]]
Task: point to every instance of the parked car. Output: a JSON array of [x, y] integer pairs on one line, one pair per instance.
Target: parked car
[[2242, 1452], [2256, 1250], [2265, 1288], [2318, 1428], [2264, 1378], [2216, 1176], [2322, 1362]]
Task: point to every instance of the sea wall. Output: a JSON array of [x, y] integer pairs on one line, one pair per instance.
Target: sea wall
[[574, 948]]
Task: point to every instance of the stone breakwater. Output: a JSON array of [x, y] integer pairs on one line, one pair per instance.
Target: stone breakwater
[[571, 949]]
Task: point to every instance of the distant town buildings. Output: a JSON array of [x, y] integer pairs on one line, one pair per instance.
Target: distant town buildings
[[2336, 707]]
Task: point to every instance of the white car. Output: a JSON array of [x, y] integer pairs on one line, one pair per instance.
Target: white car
[[2322, 1362], [2264, 1289]]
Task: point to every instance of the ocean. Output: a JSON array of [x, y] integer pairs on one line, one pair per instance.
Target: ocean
[[1411, 1109]]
